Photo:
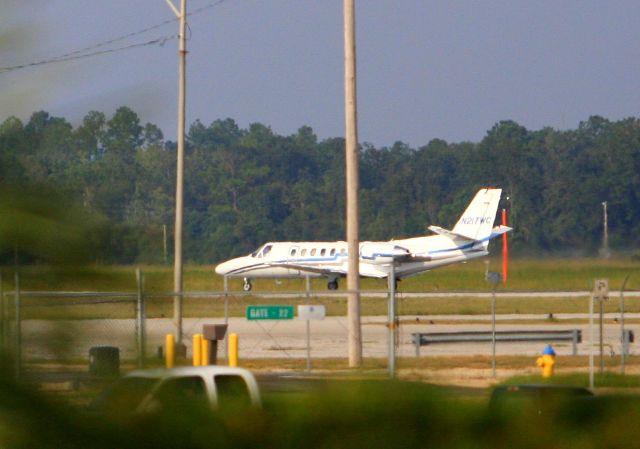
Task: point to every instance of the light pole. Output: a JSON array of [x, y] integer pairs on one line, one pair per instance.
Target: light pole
[[605, 232]]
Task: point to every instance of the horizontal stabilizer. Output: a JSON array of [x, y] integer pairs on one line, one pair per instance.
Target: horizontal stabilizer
[[495, 232], [499, 230], [441, 231]]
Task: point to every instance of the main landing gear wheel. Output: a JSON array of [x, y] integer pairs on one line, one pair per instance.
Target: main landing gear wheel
[[332, 285], [247, 285]]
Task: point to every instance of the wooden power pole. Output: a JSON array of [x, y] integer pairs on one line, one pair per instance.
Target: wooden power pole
[[351, 151], [182, 84]]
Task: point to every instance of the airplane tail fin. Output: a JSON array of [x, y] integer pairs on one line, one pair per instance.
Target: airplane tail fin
[[476, 223]]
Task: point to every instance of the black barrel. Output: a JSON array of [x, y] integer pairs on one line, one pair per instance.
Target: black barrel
[[104, 361]]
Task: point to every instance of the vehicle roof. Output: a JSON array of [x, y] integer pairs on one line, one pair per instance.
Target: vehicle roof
[[540, 387], [211, 370]]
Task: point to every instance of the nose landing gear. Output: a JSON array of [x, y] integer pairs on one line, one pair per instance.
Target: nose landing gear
[[247, 285]]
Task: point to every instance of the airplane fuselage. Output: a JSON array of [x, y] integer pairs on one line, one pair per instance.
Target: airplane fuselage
[[468, 240], [284, 259]]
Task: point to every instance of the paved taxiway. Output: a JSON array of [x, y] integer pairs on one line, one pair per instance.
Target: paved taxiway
[[287, 338]]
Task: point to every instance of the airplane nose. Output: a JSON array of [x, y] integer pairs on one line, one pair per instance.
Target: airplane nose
[[222, 268]]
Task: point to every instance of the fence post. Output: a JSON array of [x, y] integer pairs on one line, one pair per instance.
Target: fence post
[[307, 284], [391, 313], [2, 317], [226, 315], [18, 341], [140, 319], [625, 343]]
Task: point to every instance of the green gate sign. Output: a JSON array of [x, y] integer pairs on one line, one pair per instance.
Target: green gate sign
[[270, 312]]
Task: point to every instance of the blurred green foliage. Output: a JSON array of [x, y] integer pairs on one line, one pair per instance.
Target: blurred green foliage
[[336, 414]]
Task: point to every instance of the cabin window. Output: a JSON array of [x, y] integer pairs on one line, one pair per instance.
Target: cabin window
[[343, 251], [303, 252], [313, 252], [266, 250], [293, 252], [323, 252], [333, 252]]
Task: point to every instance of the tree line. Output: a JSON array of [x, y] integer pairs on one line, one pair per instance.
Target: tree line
[[108, 185]]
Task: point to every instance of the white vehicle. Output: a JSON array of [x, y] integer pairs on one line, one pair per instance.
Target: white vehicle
[[468, 240], [182, 390]]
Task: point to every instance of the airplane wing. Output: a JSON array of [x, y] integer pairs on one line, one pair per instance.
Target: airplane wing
[[328, 271], [310, 268]]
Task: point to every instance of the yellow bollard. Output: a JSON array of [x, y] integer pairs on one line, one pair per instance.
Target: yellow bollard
[[233, 350], [170, 351], [547, 361], [204, 345], [197, 349]]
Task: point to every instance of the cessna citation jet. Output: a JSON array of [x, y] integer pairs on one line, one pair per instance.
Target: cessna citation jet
[[468, 240]]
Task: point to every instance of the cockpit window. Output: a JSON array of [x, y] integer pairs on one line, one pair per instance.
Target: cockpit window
[[262, 251]]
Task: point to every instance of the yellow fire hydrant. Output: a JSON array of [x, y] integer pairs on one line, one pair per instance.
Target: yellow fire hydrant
[[547, 361]]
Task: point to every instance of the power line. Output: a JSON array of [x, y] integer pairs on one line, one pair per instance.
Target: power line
[[93, 50], [76, 55]]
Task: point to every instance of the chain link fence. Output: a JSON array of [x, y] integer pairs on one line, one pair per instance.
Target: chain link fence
[[61, 328]]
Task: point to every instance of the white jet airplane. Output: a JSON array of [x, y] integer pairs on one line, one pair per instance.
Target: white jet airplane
[[468, 240]]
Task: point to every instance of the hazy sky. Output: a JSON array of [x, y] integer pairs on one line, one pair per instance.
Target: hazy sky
[[426, 69]]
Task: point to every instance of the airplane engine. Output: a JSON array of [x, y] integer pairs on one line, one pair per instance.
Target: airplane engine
[[382, 252]]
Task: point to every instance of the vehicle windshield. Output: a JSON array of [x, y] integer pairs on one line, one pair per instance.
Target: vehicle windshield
[[124, 396]]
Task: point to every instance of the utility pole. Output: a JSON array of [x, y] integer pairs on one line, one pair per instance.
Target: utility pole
[[351, 153], [177, 261]]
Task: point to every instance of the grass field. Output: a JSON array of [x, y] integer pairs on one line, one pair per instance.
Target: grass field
[[524, 275]]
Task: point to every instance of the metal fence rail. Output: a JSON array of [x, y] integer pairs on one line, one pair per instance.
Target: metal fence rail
[[429, 338]]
